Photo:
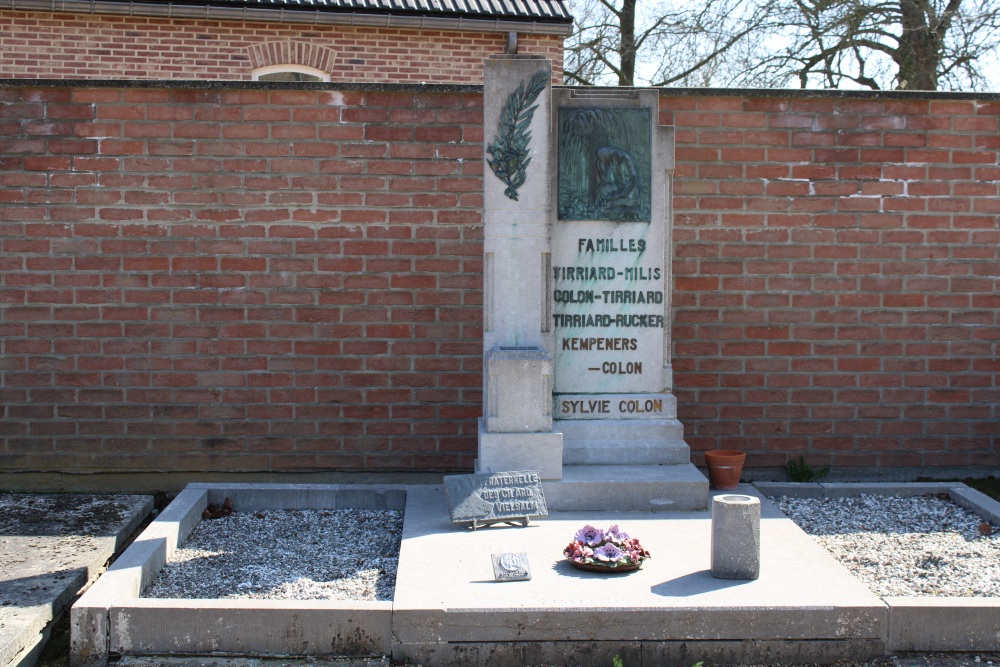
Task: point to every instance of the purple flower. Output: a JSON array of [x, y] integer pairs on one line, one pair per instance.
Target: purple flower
[[609, 553], [590, 536], [617, 536]]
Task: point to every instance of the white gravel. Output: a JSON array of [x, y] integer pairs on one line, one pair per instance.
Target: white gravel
[[919, 546], [287, 555]]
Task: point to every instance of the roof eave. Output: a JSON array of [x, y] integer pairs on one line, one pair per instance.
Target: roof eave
[[298, 16]]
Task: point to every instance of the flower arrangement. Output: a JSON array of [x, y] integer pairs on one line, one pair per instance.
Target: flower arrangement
[[610, 549]]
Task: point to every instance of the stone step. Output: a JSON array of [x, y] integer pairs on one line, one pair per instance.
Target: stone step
[[670, 452], [623, 442], [657, 488]]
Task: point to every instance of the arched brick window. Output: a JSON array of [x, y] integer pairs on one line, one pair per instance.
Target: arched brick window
[[291, 61]]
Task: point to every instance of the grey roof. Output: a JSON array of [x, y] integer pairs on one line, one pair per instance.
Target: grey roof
[[555, 11]]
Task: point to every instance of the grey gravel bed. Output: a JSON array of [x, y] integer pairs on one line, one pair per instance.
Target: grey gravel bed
[[919, 546], [286, 555]]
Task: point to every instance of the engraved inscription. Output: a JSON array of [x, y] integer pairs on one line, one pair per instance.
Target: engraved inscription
[[494, 497], [625, 406], [511, 567], [612, 406], [609, 298], [608, 312]]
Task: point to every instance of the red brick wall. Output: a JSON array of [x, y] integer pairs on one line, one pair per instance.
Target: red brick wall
[[240, 279], [83, 46], [254, 279], [837, 277]]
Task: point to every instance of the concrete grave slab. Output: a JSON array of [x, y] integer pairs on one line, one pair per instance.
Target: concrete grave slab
[[52, 546], [450, 610], [459, 615]]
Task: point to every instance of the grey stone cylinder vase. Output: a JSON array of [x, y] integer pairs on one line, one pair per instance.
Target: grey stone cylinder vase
[[735, 536]]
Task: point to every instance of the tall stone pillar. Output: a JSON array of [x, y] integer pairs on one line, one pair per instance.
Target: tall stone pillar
[[516, 431]]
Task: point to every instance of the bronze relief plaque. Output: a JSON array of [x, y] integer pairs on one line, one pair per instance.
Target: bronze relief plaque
[[604, 164]]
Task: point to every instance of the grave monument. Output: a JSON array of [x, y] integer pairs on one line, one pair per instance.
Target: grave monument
[[577, 250]]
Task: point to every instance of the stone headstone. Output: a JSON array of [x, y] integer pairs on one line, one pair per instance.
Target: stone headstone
[[611, 307], [489, 498], [511, 567], [577, 255]]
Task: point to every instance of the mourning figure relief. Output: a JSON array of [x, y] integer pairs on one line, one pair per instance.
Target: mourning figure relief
[[604, 164], [618, 185]]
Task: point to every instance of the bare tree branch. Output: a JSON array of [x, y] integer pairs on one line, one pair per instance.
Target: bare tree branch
[[876, 44]]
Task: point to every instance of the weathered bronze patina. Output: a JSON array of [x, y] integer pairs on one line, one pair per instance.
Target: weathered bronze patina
[[604, 164]]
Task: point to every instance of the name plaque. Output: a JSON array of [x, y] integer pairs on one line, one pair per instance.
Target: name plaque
[[615, 406], [608, 311], [490, 498]]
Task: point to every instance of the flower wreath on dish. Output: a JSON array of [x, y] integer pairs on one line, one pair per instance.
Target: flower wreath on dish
[[611, 549]]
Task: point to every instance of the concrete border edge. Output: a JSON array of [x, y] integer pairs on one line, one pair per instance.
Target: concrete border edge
[[100, 620], [919, 623]]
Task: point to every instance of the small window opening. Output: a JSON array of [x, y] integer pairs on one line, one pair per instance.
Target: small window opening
[[289, 73]]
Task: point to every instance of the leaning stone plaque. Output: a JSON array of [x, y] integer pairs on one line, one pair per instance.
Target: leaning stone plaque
[[491, 498], [511, 567]]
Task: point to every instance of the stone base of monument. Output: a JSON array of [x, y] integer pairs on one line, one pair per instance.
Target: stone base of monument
[[627, 465], [500, 452], [656, 488]]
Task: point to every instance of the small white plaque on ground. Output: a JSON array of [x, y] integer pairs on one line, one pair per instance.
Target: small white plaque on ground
[[511, 567]]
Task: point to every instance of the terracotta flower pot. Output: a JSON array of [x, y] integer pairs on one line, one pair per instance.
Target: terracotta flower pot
[[724, 468]]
